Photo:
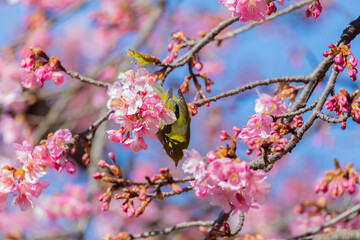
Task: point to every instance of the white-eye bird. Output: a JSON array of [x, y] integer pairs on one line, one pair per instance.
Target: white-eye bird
[[176, 136]]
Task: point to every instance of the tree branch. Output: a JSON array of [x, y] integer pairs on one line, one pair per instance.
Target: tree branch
[[351, 31], [302, 79], [221, 218], [199, 45], [239, 225], [354, 210], [89, 133], [127, 183], [267, 19], [84, 79], [293, 114], [172, 229], [329, 119]]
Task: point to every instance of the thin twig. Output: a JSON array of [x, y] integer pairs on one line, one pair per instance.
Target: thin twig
[[301, 79], [235, 32], [127, 183], [199, 45], [239, 225], [172, 229], [293, 114], [84, 79], [331, 222], [351, 31], [90, 131], [170, 194], [329, 119]]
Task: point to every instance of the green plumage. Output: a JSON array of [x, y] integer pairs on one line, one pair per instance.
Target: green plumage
[[176, 136]]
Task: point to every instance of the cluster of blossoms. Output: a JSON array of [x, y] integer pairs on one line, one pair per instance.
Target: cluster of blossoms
[[341, 61], [174, 46], [24, 182], [345, 105], [230, 183], [37, 68], [340, 103], [314, 9], [311, 214], [137, 108], [131, 192], [339, 181], [262, 131], [70, 205], [250, 9], [314, 214]]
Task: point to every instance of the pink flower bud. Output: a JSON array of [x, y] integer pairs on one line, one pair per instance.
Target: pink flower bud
[[224, 136], [104, 206], [343, 100], [356, 115], [169, 58], [343, 125], [316, 13], [271, 8], [198, 66], [317, 188], [211, 156], [236, 131], [170, 46], [352, 73], [325, 54], [339, 58], [103, 164], [69, 167], [129, 208], [97, 175], [111, 155], [164, 170], [353, 61]]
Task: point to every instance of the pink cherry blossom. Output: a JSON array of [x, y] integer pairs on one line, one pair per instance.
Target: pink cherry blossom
[[115, 135], [35, 76], [231, 185], [24, 151], [7, 181], [246, 9], [25, 193], [193, 163], [257, 126], [68, 166], [33, 170], [39, 153], [136, 143], [137, 108], [57, 143], [271, 104]]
